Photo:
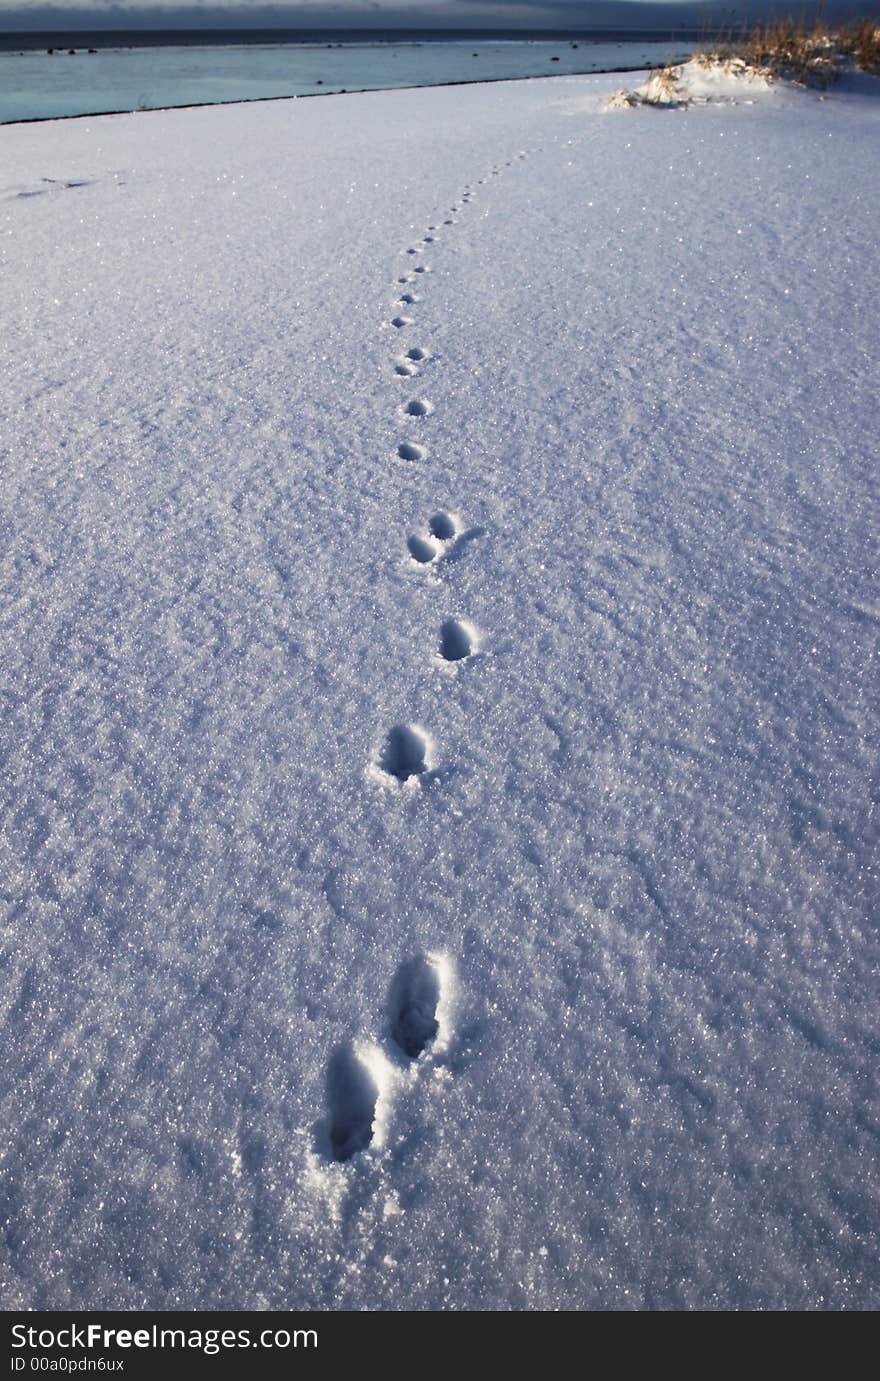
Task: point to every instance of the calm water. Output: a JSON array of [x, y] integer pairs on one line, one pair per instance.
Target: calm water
[[149, 75]]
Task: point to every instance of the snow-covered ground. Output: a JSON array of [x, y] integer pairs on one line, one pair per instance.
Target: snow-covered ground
[[625, 903]]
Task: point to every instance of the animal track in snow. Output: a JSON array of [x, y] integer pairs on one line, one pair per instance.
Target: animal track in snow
[[441, 531], [409, 299], [415, 998], [408, 450], [414, 249], [422, 268], [442, 526], [418, 407], [352, 1095], [405, 365], [406, 753], [457, 640], [50, 184], [422, 549], [401, 321]]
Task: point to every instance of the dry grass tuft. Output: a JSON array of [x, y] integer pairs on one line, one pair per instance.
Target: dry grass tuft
[[811, 54], [662, 87], [863, 41]]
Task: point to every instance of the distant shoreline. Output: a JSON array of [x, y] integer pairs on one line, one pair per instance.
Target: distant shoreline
[[319, 95], [41, 85], [79, 39]]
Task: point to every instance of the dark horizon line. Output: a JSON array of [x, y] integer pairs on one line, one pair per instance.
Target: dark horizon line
[[350, 28], [572, 31]]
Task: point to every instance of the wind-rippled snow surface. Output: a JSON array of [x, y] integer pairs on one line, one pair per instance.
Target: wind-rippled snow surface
[[439, 842]]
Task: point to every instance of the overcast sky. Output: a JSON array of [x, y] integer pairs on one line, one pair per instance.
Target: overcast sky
[[562, 14]]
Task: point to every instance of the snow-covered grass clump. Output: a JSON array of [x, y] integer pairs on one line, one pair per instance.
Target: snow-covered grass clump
[[696, 82], [736, 68]]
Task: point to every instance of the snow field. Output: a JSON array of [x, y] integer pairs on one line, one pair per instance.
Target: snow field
[[440, 878]]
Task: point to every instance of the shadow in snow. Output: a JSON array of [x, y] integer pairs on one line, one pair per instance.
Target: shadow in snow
[[352, 1096], [415, 996], [455, 641], [405, 753]]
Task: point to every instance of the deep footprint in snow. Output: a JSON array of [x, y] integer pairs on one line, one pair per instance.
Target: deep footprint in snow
[[408, 450], [405, 369], [352, 1096], [442, 526], [426, 550], [416, 353], [415, 997], [456, 640], [418, 407], [400, 321], [408, 299], [422, 549], [405, 753]]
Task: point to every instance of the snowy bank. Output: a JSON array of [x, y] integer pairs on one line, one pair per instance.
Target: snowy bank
[[439, 798], [696, 83]]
